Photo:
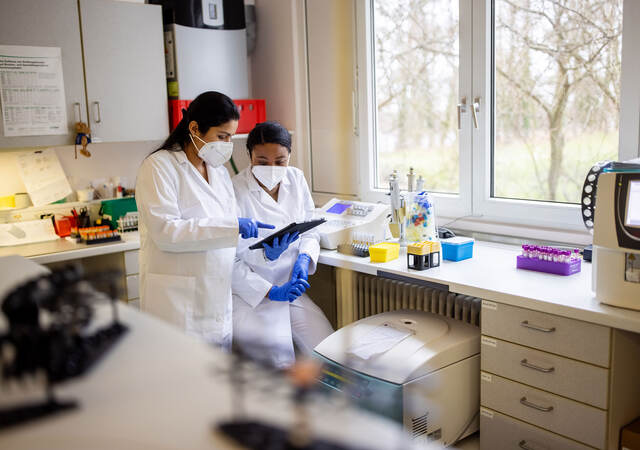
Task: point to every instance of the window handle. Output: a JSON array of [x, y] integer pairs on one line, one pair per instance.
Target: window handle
[[526, 324], [96, 107], [526, 363], [526, 402], [475, 109], [462, 108]]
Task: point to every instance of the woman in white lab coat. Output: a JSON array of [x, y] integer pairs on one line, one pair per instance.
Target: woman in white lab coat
[[188, 222], [270, 310]]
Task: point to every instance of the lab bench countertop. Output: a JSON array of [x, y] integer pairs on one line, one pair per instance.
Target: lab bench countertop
[[492, 275], [173, 391], [66, 249]]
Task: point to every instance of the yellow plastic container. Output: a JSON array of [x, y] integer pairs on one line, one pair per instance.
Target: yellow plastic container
[[384, 252], [419, 248], [8, 202]]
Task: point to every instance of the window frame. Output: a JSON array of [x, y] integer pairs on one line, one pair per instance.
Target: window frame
[[474, 208], [449, 205]]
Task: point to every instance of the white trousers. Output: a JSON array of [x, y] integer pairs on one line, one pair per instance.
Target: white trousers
[[268, 331]]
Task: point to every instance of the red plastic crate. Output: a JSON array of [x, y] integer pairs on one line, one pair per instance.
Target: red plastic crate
[[175, 112], [252, 112]]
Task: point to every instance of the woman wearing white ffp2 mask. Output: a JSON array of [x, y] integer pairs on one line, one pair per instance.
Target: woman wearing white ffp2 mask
[[270, 310], [189, 224]]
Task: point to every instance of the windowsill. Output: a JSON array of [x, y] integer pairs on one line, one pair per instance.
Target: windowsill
[[490, 228], [514, 233]]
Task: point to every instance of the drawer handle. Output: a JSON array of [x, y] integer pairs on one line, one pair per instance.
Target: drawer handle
[[525, 363], [523, 445], [526, 324], [526, 402]]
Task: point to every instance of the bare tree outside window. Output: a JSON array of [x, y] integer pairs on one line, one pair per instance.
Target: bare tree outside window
[[557, 94], [416, 74], [556, 87]]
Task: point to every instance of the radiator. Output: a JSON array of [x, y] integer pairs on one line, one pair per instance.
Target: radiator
[[374, 295]]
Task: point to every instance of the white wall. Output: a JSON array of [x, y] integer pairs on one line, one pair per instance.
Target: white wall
[[332, 96], [278, 72], [107, 160]]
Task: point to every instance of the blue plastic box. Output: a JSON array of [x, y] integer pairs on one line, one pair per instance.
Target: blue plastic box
[[457, 248]]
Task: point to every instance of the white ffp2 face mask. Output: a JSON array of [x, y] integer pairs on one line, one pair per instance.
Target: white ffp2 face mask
[[269, 176], [215, 153]]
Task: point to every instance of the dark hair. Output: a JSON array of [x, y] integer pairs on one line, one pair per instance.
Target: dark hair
[[209, 109], [269, 132]]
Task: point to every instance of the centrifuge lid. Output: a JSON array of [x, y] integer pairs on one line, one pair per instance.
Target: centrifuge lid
[[433, 342]]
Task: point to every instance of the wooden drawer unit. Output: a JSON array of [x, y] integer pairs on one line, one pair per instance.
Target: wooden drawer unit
[[567, 337], [577, 380], [500, 432], [560, 415]]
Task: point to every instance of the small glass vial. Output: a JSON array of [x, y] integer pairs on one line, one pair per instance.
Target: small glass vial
[[576, 253]]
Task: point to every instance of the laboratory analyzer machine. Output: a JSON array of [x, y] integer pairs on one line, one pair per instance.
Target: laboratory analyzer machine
[[616, 240], [344, 218]]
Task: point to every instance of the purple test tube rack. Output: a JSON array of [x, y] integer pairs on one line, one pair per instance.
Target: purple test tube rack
[[559, 268]]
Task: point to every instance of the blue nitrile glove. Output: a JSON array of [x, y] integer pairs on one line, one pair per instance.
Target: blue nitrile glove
[[278, 246], [301, 268], [249, 227], [289, 291]]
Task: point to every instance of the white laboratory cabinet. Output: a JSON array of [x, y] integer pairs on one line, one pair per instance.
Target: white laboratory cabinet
[[47, 23], [125, 71], [121, 87]]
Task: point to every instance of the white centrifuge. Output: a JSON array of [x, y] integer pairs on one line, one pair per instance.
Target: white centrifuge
[[418, 368]]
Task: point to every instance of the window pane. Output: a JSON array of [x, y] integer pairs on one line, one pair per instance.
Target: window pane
[[556, 93], [416, 76]]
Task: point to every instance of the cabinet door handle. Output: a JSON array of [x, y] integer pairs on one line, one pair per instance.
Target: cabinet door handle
[[77, 111], [526, 324], [96, 107], [526, 402], [525, 363], [523, 445]]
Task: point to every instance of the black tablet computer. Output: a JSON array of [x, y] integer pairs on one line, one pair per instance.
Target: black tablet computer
[[291, 228]]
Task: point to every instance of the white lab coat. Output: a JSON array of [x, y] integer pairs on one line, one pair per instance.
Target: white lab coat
[[257, 319], [188, 238]]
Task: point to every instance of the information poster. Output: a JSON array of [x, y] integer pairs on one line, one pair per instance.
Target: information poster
[[32, 91], [43, 176]]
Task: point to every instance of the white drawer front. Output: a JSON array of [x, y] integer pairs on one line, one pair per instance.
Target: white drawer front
[[132, 262], [133, 287], [566, 417], [553, 373], [134, 303], [567, 337], [500, 432]]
